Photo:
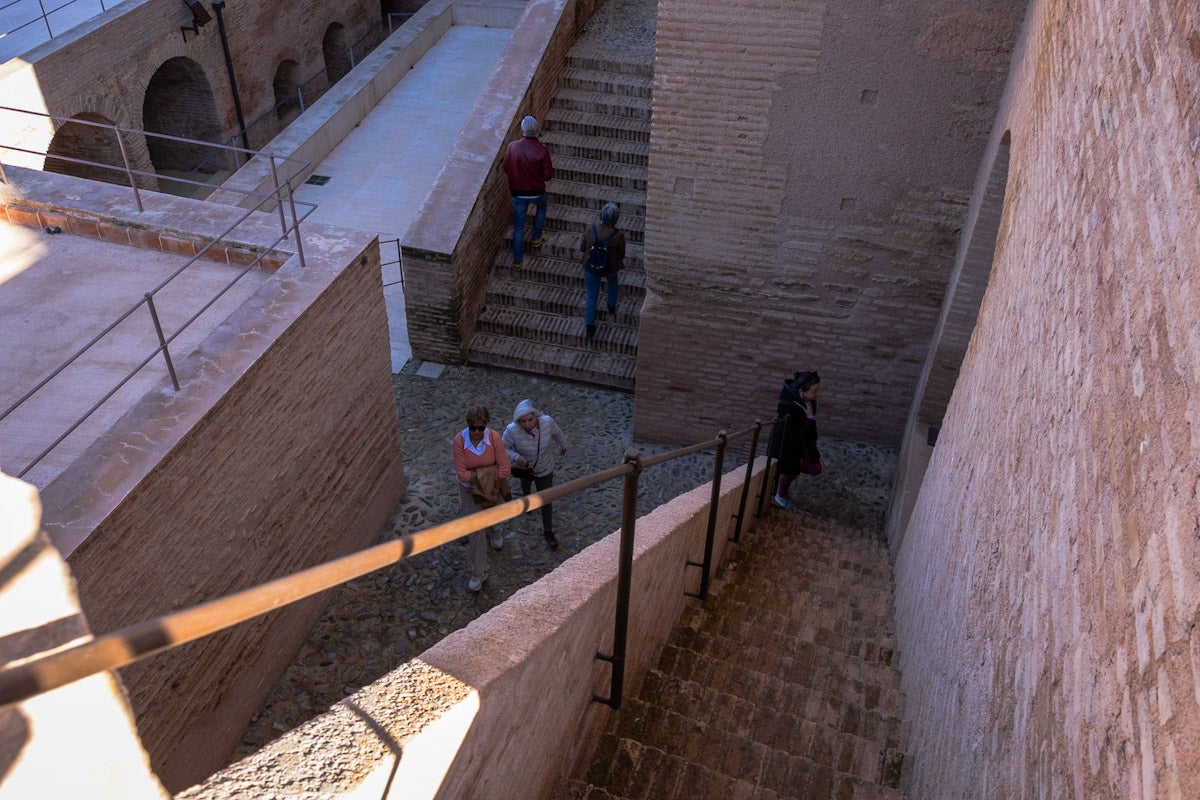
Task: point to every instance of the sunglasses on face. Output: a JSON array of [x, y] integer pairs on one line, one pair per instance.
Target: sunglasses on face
[[477, 427]]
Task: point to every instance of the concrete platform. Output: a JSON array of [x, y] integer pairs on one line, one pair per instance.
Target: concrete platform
[[57, 292]]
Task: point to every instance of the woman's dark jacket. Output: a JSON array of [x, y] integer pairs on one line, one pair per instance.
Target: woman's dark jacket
[[795, 435]]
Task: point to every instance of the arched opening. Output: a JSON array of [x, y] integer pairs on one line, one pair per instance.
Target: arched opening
[[179, 102], [78, 139], [287, 92], [960, 312], [335, 48]]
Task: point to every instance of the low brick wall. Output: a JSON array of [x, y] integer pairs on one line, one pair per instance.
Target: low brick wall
[[449, 247], [280, 450], [502, 708]]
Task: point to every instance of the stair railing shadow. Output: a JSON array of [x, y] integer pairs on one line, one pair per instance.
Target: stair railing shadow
[[56, 668]]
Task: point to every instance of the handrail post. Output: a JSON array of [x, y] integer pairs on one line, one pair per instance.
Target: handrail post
[[46, 19], [711, 532], [295, 222], [300, 97], [766, 481], [283, 226], [137, 197], [624, 584], [737, 530], [162, 342]]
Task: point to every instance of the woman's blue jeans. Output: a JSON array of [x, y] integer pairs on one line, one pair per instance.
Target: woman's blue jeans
[[593, 293], [520, 211]]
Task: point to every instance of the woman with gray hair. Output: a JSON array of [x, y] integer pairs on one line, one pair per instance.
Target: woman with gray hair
[[532, 441], [603, 256]]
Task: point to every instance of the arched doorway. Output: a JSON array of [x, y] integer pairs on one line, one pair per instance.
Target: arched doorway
[[287, 89], [78, 139], [179, 102], [335, 49]]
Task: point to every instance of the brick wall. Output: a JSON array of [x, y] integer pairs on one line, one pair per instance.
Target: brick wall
[[280, 450], [261, 36], [1048, 585], [810, 167]]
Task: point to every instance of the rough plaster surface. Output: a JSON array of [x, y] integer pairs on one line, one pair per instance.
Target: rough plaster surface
[[1048, 585]]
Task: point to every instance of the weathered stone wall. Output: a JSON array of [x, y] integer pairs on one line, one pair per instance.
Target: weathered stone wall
[[810, 167], [121, 51], [1048, 584], [280, 450]]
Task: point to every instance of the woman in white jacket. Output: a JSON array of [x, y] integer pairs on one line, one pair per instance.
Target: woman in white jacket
[[533, 440]]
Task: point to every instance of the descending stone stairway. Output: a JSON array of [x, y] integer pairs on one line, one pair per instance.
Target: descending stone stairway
[[779, 686], [598, 133]]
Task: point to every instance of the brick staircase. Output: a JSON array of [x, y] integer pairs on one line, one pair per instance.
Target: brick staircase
[[779, 686], [598, 132]]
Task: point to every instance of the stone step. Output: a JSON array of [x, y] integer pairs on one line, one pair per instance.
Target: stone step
[[598, 125], [627, 768], [558, 330], [606, 81], [742, 727], [608, 151], [611, 65], [601, 103], [790, 684], [869, 640], [533, 295], [571, 221], [592, 364], [565, 246], [600, 182]]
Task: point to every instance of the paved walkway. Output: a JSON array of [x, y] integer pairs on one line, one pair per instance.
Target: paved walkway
[[380, 173]]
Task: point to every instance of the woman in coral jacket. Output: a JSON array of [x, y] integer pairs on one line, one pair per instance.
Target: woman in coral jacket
[[480, 465]]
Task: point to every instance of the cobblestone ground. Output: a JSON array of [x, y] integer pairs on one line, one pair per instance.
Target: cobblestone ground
[[381, 620]]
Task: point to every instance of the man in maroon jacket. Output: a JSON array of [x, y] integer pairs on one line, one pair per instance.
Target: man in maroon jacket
[[527, 165]]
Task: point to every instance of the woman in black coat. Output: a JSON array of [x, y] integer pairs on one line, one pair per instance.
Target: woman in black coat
[[795, 437]]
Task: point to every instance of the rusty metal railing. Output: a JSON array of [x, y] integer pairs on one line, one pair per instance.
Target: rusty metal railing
[[57, 668]]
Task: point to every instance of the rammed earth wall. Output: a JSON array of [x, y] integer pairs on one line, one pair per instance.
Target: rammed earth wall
[[1048, 584]]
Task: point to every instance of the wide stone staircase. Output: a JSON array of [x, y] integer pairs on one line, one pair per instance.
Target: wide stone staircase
[[598, 133], [780, 685]]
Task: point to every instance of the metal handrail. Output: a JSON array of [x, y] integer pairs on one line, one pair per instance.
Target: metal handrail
[[59, 667], [283, 191]]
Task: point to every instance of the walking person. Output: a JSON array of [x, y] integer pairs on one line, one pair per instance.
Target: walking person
[[603, 248], [533, 441], [528, 167], [481, 468], [794, 440]]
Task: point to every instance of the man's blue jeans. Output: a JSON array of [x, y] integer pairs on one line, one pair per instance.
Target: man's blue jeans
[[593, 293], [520, 211]]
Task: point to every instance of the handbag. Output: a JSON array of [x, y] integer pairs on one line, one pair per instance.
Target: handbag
[[522, 473], [810, 467]]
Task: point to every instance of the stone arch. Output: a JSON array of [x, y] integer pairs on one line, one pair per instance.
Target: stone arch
[[334, 48], [179, 102], [287, 84], [78, 139], [948, 347]]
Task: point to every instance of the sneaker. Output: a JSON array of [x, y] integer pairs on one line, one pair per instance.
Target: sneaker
[[516, 265], [551, 541], [496, 541], [783, 502], [591, 332], [539, 240], [475, 584]]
